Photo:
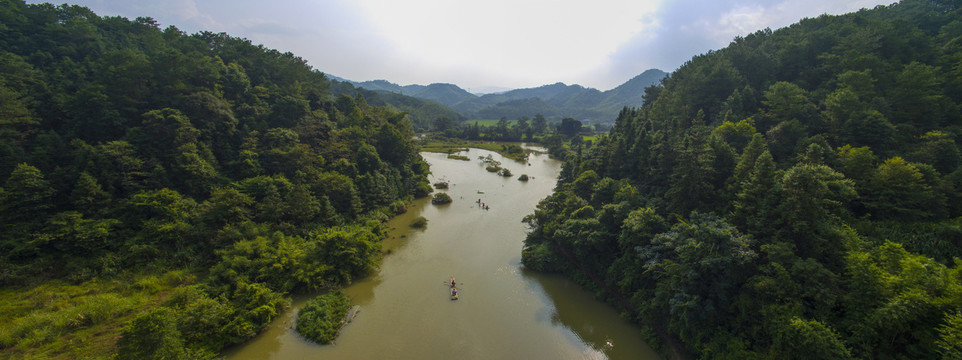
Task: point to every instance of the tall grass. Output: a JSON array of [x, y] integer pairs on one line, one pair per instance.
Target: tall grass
[[58, 320], [45, 325]]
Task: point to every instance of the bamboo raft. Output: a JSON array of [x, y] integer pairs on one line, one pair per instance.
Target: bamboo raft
[[454, 290], [351, 314]]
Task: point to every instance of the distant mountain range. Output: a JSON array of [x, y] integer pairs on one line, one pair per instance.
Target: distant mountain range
[[554, 101]]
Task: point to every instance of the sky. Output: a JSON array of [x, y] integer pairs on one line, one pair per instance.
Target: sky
[[483, 45]]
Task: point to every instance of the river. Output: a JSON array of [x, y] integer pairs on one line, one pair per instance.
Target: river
[[503, 311]]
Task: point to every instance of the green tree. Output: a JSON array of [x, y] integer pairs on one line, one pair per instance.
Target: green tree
[[225, 206], [539, 124], [321, 318], [788, 113], [898, 191], [153, 335], [26, 199], [918, 100], [785, 102], [87, 195], [522, 128], [869, 128], [692, 185], [800, 339], [164, 219], [950, 337], [746, 162], [349, 251], [698, 266], [738, 135], [17, 121], [754, 205], [939, 150], [501, 129], [442, 124], [811, 207], [569, 127]]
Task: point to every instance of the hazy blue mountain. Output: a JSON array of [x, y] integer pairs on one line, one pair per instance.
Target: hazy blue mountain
[[447, 94], [488, 90], [517, 108], [557, 94], [554, 101], [382, 85]]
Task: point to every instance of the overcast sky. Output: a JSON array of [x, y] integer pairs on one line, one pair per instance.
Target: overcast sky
[[484, 43]]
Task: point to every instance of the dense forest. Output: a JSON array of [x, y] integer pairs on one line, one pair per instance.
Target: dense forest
[[226, 169], [795, 195]]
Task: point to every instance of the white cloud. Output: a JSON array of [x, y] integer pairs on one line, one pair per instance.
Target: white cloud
[[515, 43], [186, 11], [528, 40], [690, 27], [740, 21]]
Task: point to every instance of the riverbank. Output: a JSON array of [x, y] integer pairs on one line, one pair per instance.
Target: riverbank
[[60, 320], [57, 319], [549, 317], [452, 146]]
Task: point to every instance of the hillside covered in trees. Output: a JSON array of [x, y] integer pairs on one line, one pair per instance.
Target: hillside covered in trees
[[795, 195], [129, 150], [422, 112], [554, 102]]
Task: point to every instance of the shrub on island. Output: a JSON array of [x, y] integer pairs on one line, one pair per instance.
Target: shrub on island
[[441, 198], [420, 223], [321, 318]]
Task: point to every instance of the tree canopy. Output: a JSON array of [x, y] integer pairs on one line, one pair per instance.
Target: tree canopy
[[792, 195], [127, 146]]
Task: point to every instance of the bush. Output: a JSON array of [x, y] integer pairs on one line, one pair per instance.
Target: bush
[[492, 168], [399, 207], [153, 335], [441, 198], [523, 177], [321, 318], [423, 189], [441, 185], [540, 258], [505, 172], [420, 223]]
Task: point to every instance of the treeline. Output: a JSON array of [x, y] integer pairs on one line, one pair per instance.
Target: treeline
[[553, 136], [421, 112], [792, 196], [126, 146], [522, 129]]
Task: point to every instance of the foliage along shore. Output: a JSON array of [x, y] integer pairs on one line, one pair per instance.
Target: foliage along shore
[[795, 195], [322, 318], [450, 146], [128, 152]]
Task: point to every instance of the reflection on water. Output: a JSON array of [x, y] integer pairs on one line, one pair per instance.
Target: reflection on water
[[503, 312]]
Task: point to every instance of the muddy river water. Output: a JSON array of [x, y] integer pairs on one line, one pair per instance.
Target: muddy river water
[[503, 311]]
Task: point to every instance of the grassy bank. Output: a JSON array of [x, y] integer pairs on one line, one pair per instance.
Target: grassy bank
[[58, 320]]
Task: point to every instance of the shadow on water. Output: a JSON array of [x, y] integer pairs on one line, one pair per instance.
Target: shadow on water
[[577, 310]]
